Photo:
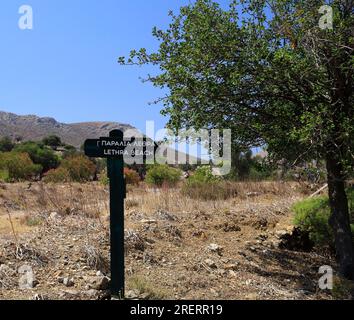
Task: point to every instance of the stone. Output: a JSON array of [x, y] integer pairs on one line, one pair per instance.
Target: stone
[[98, 283], [210, 263], [68, 282], [213, 247]]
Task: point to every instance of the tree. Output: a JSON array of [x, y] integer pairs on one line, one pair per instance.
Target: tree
[[6, 144], [39, 154], [79, 167], [52, 141], [274, 77], [19, 166]]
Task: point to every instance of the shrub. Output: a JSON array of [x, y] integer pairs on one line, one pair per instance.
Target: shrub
[[312, 215], [76, 168], [57, 175], [159, 175], [206, 186], [80, 168], [52, 141], [6, 144], [39, 154], [203, 174], [17, 166], [131, 176]]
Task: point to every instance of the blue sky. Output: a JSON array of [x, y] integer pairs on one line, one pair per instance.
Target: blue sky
[[66, 67]]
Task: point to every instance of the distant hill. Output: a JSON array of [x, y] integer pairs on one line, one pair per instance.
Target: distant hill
[[31, 127]]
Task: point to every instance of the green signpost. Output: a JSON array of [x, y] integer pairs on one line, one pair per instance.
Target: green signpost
[[112, 148]]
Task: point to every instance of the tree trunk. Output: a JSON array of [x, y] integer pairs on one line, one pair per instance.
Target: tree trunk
[[339, 219]]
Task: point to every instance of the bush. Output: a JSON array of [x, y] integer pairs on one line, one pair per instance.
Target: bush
[[6, 144], [17, 166], [80, 168], [206, 186], [39, 154], [57, 175], [159, 175], [203, 174], [312, 215], [131, 176], [52, 141], [76, 168]]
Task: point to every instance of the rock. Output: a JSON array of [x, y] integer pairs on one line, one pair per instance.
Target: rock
[[53, 215], [99, 274], [210, 263], [213, 247], [68, 282], [98, 283], [39, 297]]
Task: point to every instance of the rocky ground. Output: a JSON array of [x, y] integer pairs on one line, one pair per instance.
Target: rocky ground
[[54, 244]]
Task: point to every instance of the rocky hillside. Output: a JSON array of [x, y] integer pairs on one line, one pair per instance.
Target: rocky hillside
[[31, 127]]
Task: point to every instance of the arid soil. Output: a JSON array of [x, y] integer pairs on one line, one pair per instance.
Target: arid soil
[[176, 247]]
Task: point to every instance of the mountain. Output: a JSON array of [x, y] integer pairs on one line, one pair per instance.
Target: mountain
[[31, 127]]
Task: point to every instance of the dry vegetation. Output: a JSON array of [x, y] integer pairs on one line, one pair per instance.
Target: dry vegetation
[[176, 247]]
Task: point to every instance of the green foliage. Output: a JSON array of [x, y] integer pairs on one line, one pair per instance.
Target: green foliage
[[270, 75], [69, 151], [6, 144], [77, 168], [16, 166], [4, 175], [80, 168], [159, 175], [52, 141], [39, 154], [312, 215], [203, 174], [202, 184]]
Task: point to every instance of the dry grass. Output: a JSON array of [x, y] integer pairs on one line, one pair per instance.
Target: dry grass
[[146, 288]]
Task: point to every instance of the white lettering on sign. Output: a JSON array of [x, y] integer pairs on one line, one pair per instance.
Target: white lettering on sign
[[113, 152], [136, 143]]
